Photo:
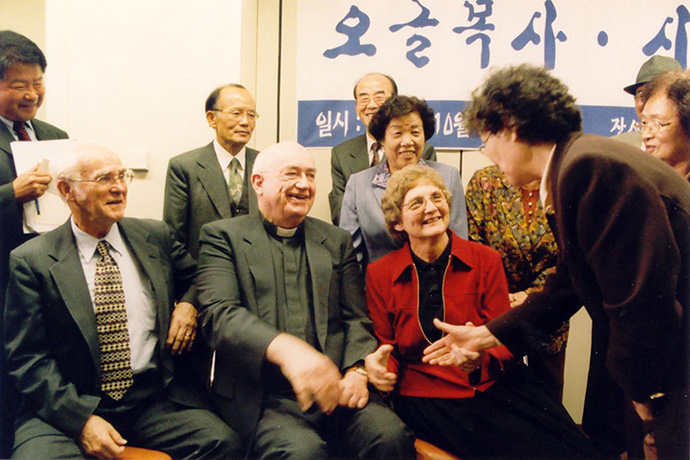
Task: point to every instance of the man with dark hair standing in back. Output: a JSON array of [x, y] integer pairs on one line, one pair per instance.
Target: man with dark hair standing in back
[[361, 152], [22, 90]]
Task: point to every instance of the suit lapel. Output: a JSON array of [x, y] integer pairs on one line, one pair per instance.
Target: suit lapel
[[320, 271], [213, 181], [249, 167], [148, 260], [71, 283], [358, 161], [257, 254]]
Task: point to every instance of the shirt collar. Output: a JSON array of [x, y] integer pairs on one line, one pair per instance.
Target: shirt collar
[[87, 243], [383, 173], [459, 250], [280, 232], [10, 125], [545, 187], [224, 157]]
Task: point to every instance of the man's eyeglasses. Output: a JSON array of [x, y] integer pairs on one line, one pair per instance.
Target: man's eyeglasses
[[237, 113], [652, 126], [108, 180], [417, 204], [365, 100]]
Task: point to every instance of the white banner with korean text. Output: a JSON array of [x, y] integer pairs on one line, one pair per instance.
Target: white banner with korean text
[[440, 50]]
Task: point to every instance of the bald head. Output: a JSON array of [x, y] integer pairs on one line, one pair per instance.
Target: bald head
[[283, 177]]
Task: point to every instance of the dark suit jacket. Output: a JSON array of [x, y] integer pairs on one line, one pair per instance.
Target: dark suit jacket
[[196, 193], [622, 222], [11, 233], [350, 157], [50, 325], [238, 315], [11, 236]]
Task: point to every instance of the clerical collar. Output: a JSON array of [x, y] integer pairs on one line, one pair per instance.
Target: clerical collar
[[280, 232]]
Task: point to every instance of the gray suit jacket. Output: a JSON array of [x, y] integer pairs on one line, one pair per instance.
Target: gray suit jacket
[[50, 325], [362, 215], [238, 315], [350, 157], [196, 193]]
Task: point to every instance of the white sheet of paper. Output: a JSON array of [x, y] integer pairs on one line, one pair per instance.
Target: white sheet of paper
[[50, 155]]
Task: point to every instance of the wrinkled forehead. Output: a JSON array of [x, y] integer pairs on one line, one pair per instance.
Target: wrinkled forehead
[[98, 165]]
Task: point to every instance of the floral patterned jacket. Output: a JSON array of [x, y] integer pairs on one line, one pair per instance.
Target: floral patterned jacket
[[496, 218]]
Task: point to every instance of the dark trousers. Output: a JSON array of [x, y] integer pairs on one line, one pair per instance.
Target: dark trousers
[[515, 418], [374, 432], [146, 418]]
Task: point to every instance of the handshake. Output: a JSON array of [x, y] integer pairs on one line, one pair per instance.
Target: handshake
[[461, 346]]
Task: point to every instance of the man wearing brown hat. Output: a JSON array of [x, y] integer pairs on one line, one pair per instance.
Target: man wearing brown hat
[[654, 66]]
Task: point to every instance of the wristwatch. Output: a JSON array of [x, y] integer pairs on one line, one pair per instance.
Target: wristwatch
[[359, 369]]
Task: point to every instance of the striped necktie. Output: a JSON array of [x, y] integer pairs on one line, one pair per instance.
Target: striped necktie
[[20, 130]]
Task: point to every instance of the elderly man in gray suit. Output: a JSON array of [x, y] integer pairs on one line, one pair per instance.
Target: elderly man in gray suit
[[361, 152], [213, 182], [91, 326], [282, 303]]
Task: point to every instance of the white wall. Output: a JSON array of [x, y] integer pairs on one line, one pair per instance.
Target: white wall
[[136, 74]]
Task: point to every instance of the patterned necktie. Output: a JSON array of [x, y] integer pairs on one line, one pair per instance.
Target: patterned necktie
[[235, 181], [111, 321], [375, 150], [20, 130]]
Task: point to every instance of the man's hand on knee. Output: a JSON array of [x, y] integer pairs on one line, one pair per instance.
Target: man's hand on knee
[[99, 438]]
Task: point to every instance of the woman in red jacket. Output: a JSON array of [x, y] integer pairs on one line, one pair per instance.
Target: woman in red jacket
[[489, 407]]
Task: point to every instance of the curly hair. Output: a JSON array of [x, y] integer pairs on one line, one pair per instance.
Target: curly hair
[[525, 98], [676, 87], [399, 106], [401, 182]]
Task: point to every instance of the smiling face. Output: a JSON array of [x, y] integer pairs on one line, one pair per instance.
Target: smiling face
[[372, 91], [285, 191], [96, 207], [425, 213], [669, 143], [21, 92], [403, 141], [232, 131]]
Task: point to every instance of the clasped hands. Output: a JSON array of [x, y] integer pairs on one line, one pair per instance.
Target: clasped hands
[[315, 378]]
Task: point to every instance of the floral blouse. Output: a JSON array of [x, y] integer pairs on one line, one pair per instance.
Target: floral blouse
[[496, 217]]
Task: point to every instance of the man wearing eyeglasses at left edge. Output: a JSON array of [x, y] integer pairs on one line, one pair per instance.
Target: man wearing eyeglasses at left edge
[[22, 90]]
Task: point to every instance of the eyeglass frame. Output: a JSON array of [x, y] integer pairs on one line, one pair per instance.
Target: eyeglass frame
[[106, 180], [251, 114], [482, 147], [653, 126], [441, 199]]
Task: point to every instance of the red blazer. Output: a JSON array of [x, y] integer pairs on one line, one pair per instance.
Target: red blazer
[[474, 289]]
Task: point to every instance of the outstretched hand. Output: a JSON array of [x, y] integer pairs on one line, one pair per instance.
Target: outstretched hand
[[461, 346], [376, 365]]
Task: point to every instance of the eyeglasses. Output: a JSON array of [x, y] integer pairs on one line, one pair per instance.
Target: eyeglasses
[[652, 126], [365, 100], [483, 146], [418, 204], [237, 113], [108, 180]]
